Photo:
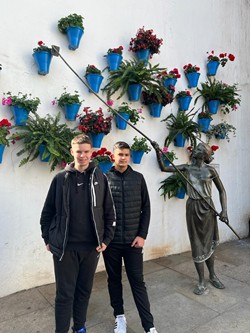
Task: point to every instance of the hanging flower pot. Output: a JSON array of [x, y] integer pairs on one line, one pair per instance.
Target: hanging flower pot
[[134, 91], [137, 156], [96, 139], [41, 149], [43, 60], [143, 55], [213, 106], [212, 67], [181, 193], [179, 140], [204, 124], [20, 115], [184, 102], [193, 79], [120, 123], [155, 109], [169, 82], [74, 35], [114, 61], [94, 81], [71, 111], [2, 147], [105, 166]]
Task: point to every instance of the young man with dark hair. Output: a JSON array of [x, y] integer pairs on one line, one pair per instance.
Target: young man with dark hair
[[132, 205], [77, 222]]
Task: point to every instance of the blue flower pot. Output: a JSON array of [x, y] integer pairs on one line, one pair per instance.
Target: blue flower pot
[[180, 193], [94, 81], [155, 110], [166, 162], [134, 91], [184, 102], [120, 123], [204, 124], [114, 61], [105, 166], [20, 115], [212, 67], [180, 140], [2, 147], [137, 156], [220, 136], [213, 106], [71, 111], [96, 139], [43, 60], [169, 82], [41, 149], [193, 79], [74, 37], [143, 55]]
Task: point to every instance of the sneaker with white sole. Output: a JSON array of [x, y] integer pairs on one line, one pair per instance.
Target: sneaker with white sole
[[152, 330], [120, 324]]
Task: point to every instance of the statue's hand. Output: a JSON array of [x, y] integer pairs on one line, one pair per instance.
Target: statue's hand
[[223, 217]]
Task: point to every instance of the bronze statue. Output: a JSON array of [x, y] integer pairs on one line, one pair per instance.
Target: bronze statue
[[201, 218]]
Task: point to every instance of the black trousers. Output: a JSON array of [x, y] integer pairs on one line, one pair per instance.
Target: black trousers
[[74, 280], [133, 261]]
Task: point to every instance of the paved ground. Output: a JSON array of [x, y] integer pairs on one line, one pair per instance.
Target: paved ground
[[170, 282]]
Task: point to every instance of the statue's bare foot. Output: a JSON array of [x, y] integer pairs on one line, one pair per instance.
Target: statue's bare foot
[[216, 282], [199, 289]]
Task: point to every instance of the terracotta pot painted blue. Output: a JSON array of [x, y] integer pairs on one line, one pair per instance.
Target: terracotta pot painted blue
[[105, 166], [180, 140], [155, 110], [120, 123], [94, 81], [180, 193], [212, 67], [184, 102], [114, 61], [2, 147], [143, 55], [134, 91], [43, 60], [74, 37], [193, 79], [213, 106], [204, 124], [71, 111], [96, 139], [20, 115], [169, 82], [166, 162], [41, 149], [137, 156]]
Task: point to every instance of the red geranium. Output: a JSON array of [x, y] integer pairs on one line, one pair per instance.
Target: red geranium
[[189, 68], [94, 122], [4, 131], [102, 155], [222, 58], [145, 39]]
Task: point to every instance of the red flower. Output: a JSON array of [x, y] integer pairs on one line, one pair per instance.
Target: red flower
[[214, 148], [40, 42], [231, 57]]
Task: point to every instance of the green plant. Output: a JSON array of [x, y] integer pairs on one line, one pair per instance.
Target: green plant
[[92, 69], [117, 50], [94, 122], [5, 126], [183, 93], [48, 131], [205, 114], [183, 124], [102, 155], [170, 154], [173, 74], [131, 72], [145, 40], [67, 98], [189, 68], [172, 184], [222, 58], [42, 47], [140, 144], [157, 94], [134, 114], [72, 20], [217, 90], [25, 101], [221, 131]]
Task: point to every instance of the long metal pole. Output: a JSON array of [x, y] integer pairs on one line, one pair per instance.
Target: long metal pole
[[56, 52]]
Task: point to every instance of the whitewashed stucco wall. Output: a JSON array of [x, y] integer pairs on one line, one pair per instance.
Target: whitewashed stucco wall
[[189, 29]]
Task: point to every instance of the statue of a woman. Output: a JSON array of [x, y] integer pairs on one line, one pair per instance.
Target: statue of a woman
[[201, 218]]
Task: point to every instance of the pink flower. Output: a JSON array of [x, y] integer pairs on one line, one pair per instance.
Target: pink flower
[[165, 149], [110, 102]]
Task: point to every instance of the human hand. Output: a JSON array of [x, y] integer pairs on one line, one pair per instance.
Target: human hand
[[138, 242], [101, 248], [48, 248]]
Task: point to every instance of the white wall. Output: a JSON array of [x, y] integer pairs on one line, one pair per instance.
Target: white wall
[[189, 29]]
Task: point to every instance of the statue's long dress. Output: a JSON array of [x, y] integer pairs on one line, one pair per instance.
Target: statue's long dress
[[201, 219]]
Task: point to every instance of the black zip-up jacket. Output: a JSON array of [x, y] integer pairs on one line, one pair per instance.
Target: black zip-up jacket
[[55, 214], [132, 205]]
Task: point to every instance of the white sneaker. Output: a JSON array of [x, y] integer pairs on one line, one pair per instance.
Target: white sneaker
[[120, 324], [152, 330]]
